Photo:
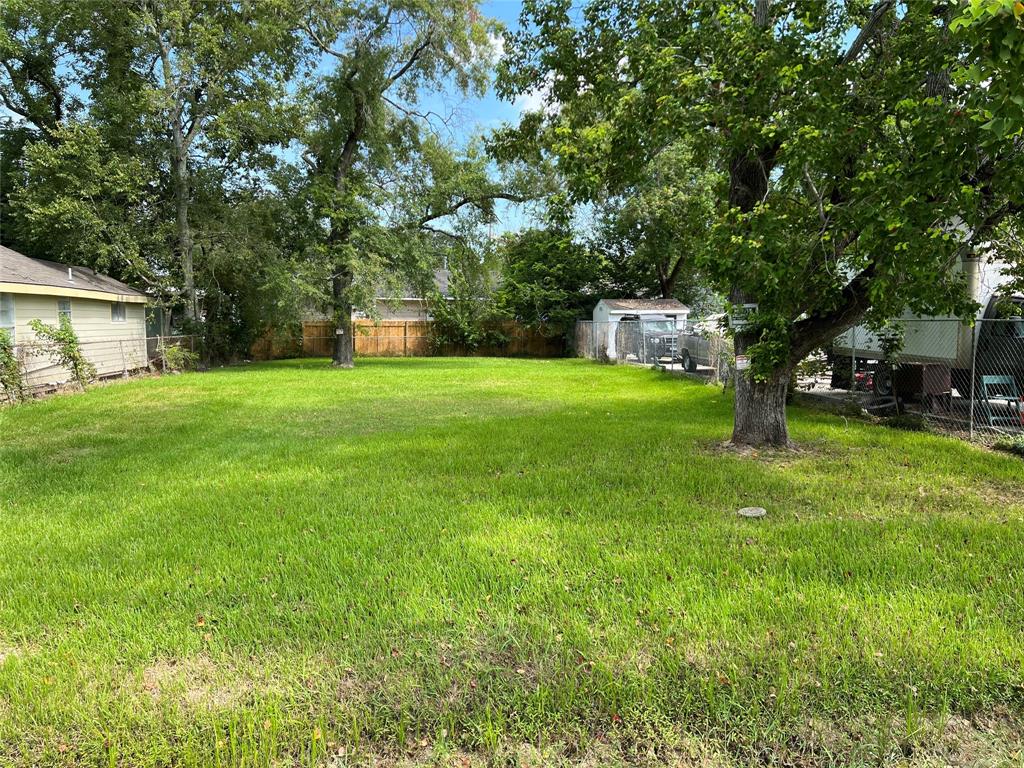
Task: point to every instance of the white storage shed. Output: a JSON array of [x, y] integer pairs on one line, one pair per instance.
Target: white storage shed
[[610, 312]]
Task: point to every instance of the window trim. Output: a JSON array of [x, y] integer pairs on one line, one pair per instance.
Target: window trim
[[124, 312], [14, 313], [60, 300]]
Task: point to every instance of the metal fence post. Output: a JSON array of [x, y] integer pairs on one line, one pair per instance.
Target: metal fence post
[[124, 362], [975, 332], [853, 359]]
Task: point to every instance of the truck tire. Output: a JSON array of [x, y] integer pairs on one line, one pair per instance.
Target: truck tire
[[881, 382], [688, 363]]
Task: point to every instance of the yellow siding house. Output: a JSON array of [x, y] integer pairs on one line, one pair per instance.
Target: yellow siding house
[[108, 316]]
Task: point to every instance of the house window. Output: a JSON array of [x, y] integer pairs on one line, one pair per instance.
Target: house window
[[63, 308], [117, 312], [7, 312]]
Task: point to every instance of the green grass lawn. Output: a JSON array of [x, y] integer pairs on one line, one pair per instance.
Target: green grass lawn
[[461, 561]]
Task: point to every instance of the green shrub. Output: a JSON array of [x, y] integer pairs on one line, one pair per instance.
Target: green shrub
[[177, 358], [12, 382], [62, 343]]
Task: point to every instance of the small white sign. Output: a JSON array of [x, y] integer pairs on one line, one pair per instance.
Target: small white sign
[[742, 362], [739, 317]]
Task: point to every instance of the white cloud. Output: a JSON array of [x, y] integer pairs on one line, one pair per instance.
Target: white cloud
[[497, 47], [539, 99]]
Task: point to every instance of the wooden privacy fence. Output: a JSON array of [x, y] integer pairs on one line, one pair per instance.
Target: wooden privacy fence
[[401, 338]]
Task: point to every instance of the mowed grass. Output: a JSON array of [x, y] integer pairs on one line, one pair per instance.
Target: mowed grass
[[462, 561]]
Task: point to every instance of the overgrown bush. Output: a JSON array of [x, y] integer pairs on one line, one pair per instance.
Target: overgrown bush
[[465, 324], [177, 358], [12, 382], [468, 317], [62, 344]]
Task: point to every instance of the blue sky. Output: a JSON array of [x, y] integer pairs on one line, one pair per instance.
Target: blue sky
[[476, 116]]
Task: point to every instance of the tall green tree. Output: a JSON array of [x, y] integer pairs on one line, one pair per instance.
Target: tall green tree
[[369, 139], [216, 68], [550, 279], [80, 202], [857, 168], [40, 43], [657, 231], [149, 136]]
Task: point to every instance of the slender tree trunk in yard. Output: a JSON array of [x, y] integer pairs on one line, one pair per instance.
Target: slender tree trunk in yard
[[344, 340], [182, 192]]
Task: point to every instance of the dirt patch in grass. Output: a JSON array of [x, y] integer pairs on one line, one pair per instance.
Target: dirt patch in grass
[[196, 682], [1002, 495], [9, 652], [984, 741], [601, 753], [776, 456]]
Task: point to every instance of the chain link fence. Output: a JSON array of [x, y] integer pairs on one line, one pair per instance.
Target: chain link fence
[[120, 356], [958, 377], [698, 347]]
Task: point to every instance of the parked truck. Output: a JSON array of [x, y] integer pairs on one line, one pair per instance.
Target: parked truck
[[653, 339], [938, 353]]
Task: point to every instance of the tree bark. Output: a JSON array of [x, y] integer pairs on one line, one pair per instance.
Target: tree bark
[[760, 418], [759, 406], [344, 339], [182, 193], [668, 275], [181, 142]]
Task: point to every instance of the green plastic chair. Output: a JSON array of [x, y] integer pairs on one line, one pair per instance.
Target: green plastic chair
[[1003, 388]]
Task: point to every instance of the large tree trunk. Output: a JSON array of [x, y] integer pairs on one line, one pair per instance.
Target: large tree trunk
[[182, 193], [760, 418], [760, 406], [344, 339]]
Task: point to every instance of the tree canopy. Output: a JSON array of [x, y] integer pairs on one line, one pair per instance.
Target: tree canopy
[[859, 166]]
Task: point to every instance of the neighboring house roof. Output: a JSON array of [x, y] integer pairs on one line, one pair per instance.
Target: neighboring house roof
[[19, 270], [650, 305], [411, 293]]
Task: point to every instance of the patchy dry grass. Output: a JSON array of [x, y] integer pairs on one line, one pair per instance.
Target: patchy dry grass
[[495, 562]]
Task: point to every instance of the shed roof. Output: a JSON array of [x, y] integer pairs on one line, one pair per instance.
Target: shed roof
[[18, 268], [650, 305]]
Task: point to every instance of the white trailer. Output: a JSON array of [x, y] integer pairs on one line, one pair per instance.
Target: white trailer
[[942, 340]]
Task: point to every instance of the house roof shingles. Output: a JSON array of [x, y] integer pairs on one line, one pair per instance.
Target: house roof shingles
[[17, 268], [668, 305]]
